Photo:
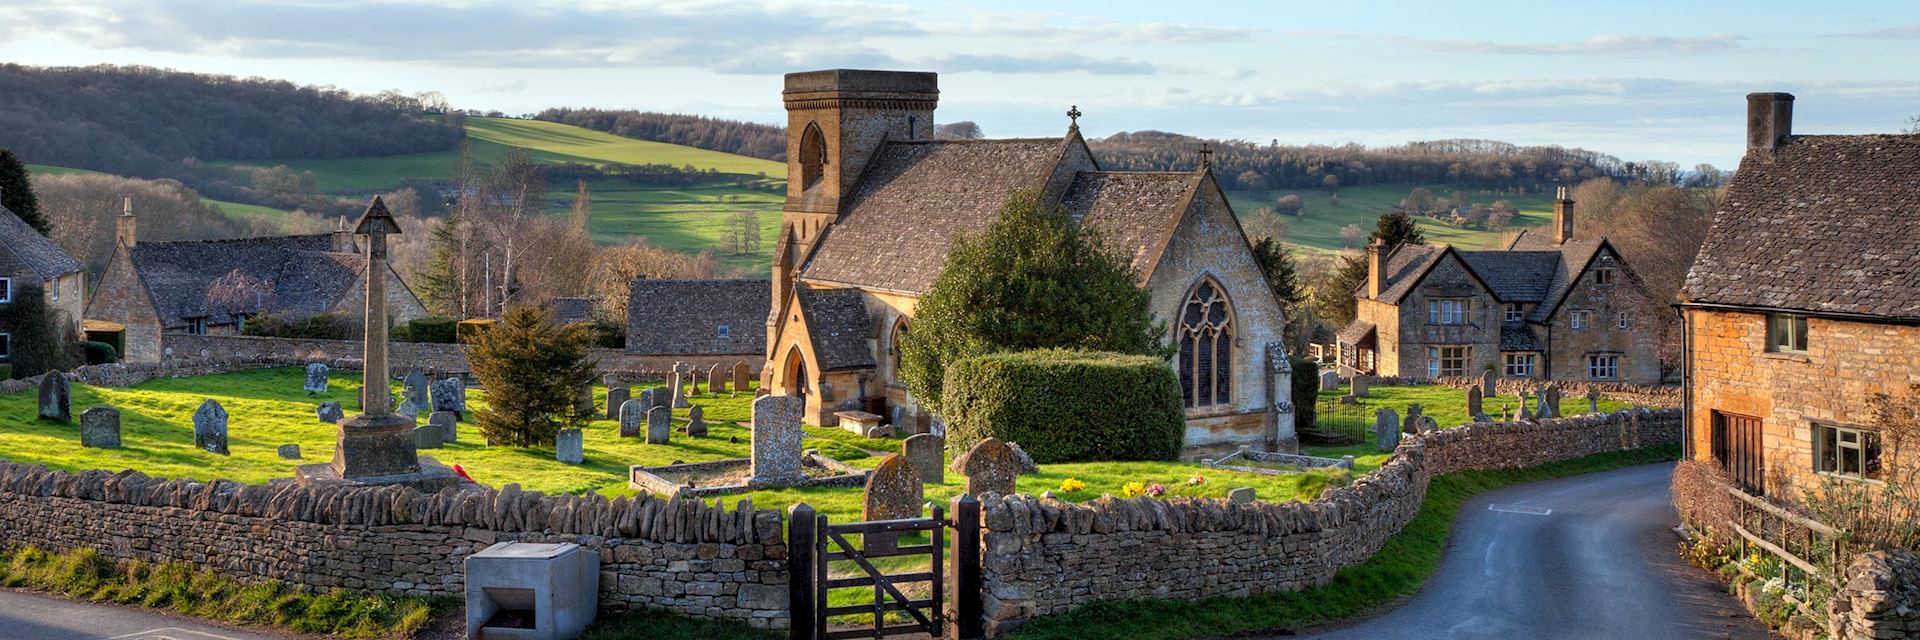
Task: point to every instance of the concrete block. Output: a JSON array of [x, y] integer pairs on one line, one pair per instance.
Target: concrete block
[[527, 591]]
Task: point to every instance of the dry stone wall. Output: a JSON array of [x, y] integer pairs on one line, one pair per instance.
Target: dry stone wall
[[680, 555], [1044, 556], [1880, 598]]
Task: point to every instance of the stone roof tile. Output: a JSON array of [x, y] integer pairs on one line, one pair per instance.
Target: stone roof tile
[[35, 251], [698, 317]]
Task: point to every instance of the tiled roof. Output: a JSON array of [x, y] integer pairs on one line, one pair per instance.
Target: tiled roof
[[572, 309], [914, 198], [1405, 264], [1574, 256], [837, 323], [1354, 332], [1132, 208], [684, 317], [34, 250], [305, 277], [1519, 337], [1822, 224], [1515, 276]]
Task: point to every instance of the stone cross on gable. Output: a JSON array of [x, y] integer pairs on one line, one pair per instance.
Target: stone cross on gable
[[1206, 155], [1073, 116]]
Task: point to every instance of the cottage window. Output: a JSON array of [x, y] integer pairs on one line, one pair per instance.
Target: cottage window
[[1446, 361], [1519, 365], [1603, 366], [1513, 312], [1447, 311], [1206, 347], [197, 326], [1580, 320], [6, 289], [1843, 451], [1786, 332], [724, 330], [1603, 276], [56, 289], [1621, 320]]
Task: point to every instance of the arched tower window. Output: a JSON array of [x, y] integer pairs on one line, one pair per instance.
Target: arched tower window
[[813, 156], [899, 333], [1206, 347]]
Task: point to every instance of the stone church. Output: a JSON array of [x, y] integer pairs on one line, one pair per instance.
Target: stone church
[[874, 201]]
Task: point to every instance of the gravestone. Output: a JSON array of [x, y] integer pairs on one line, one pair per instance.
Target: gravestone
[[427, 437], [662, 397], [680, 392], [776, 439], [100, 428], [413, 394], [693, 380], [56, 399], [1386, 429], [696, 424], [1484, 418], [316, 378], [659, 425], [210, 428], [633, 415], [449, 394], [742, 377], [1593, 400], [1329, 380], [716, 379], [610, 380], [449, 424], [645, 398], [330, 412], [1360, 384], [926, 452], [990, 468], [289, 452], [1489, 384], [570, 446], [1520, 413], [1411, 424], [616, 396], [1474, 400], [1241, 495], [893, 493], [1550, 402], [1425, 424]]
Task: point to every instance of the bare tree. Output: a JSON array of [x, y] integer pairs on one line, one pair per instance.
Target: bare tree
[[617, 266], [962, 130], [1352, 234]]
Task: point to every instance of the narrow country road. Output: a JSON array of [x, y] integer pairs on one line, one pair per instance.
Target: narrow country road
[[1589, 556], [32, 616]]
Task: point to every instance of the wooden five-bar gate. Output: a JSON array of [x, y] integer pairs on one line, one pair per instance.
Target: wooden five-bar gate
[[953, 573]]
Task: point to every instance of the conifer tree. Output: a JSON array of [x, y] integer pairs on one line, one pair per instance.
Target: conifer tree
[[531, 367], [16, 192], [1393, 229]]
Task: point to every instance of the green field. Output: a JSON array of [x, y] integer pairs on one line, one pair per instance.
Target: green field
[[1319, 228], [690, 220], [233, 210]]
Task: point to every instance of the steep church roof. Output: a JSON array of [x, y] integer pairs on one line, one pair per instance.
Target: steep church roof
[[837, 323], [1132, 208], [1821, 224], [34, 250], [698, 317], [306, 276]]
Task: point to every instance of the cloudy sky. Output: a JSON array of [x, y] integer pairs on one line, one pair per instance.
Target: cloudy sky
[[1641, 80]]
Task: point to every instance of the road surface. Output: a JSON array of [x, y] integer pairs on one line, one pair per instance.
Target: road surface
[[32, 616], [1590, 556]]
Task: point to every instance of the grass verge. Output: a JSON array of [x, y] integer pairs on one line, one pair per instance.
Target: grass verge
[[1401, 567], [87, 575], [651, 624]]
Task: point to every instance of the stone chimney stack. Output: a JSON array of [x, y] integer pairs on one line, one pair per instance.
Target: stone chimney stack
[[1769, 121], [1562, 217], [125, 228], [342, 236], [1376, 268]]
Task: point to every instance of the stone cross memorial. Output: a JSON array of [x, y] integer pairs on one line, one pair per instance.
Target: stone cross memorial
[[210, 427], [659, 425], [56, 400], [100, 428], [926, 452], [990, 467], [316, 378], [776, 439], [1593, 401]]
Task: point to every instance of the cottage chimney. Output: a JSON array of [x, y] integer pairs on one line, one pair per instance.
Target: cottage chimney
[[342, 236], [1376, 268], [1769, 121], [125, 230], [1562, 217]]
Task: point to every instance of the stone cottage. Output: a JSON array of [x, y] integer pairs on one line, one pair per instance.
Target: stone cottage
[[151, 289], [1803, 304], [28, 258], [699, 322], [1546, 305], [873, 203]]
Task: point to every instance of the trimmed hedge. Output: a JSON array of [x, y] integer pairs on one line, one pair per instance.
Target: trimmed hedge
[[434, 330], [99, 352], [1066, 406], [1306, 392]]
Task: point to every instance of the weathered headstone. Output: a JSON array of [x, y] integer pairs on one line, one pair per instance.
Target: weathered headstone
[[716, 379], [1474, 400], [1329, 380], [662, 397], [893, 493], [316, 378], [776, 438], [450, 394], [693, 380], [990, 468], [210, 427], [1593, 400], [449, 424], [414, 395], [1425, 424], [570, 446], [680, 392], [927, 453], [56, 399], [1520, 413], [427, 437], [633, 415], [330, 412], [742, 377], [1241, 495], [1489, 384], [617, 395], [100, 428], [1550, 402], [696, 422], [1484, 418], [289, 452], [1360, 384], [659, 425], [1386, 429], [1411, 424]]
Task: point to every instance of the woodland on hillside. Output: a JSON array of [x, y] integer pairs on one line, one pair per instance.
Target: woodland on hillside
[[749, 139]]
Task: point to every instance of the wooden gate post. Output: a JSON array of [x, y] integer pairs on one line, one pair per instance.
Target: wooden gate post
[[968, 607], [800, 546]]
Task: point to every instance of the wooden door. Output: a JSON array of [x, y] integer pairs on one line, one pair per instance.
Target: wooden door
[[1739, 446]]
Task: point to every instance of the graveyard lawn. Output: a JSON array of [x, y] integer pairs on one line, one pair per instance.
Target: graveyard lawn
[[1447, 406], [269, 409]]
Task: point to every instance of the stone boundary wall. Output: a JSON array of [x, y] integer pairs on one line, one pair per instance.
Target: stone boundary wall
[[1045, 556], [436, 359], [1879, 598], [1664, 396], [682, 556], [123, 374]]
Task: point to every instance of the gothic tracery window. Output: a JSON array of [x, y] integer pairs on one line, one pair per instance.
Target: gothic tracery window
[[1206, 347]]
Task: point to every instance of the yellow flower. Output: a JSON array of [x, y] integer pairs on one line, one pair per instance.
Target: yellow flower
[[1133, 489], [1071, 484]]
